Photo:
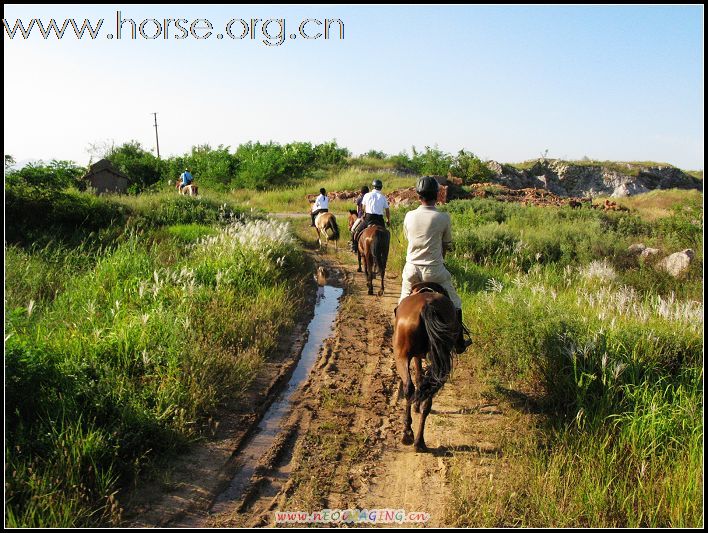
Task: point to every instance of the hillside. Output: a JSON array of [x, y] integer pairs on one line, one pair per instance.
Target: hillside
[[593, 178]]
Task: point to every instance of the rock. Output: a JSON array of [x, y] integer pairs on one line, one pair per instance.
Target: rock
[[648, 252], [676, 264], [495, 167], [636, 248], [617, 180]]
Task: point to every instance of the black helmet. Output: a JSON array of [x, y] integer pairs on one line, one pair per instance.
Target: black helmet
[[427, 185], [378, 184], [322, 191]]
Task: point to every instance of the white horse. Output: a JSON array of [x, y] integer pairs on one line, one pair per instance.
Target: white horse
[[189, 190], [323, 222]]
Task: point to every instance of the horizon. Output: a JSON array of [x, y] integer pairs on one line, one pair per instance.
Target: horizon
[[18, 164], [610, 83]]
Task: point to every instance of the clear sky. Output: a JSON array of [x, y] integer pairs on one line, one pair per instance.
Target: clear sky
[[508, 83]]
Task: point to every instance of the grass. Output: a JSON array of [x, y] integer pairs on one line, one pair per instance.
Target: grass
[[614, 348], [630, 168], [658, 204], [119, 354], [294, 199], [131, 321]]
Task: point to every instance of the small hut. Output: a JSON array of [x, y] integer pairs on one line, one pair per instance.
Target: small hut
[[103, 177]]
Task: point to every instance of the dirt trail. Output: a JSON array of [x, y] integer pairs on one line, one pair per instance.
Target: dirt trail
[[339, 448]]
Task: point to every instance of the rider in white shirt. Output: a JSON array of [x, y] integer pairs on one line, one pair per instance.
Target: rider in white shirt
[[429, 235], [321, 205], [374, 204]]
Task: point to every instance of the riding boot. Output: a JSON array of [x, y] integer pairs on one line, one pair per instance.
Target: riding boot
[[463, 340]]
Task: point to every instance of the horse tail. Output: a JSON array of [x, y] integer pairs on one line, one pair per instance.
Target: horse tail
[[441, 339], [335, 229], [380, 247]]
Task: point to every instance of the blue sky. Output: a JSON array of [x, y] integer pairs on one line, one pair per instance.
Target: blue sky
[[508, 83]]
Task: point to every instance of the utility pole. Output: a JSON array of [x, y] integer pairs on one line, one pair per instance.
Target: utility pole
[[157, 141]]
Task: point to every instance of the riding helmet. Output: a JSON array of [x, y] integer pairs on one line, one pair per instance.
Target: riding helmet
[[427, 184], [378, 184]]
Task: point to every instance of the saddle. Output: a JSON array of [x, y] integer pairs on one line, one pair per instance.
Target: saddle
[[429, 286]]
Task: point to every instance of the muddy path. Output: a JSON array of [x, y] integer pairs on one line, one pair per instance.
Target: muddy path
[[336, 443]]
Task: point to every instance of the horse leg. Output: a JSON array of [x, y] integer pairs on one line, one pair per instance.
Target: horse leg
[[366, 268], [402, 363], [417, 379], [382, 283], [369, 272], [419, 443], [358, 255]]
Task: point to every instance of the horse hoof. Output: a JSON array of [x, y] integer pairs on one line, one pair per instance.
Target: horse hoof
[[358, 270], [380, 293], [420, 448], [371, 293], [407, 438]]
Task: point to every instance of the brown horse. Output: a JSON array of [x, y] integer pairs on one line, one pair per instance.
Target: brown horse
[[425, 327], [189, 190], [373, 246], [324, 222]]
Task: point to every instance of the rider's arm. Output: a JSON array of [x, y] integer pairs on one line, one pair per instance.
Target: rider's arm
[[447, 237]]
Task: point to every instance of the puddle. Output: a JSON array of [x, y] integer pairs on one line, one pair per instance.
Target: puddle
[[319, 329]]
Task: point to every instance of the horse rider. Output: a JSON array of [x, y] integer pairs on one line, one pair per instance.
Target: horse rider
[[321, 205], [359, 214], [186, 178], [374, 205], [429, 235]]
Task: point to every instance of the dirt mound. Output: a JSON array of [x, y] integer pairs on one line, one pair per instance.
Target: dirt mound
[[526, 196], [336, 195]]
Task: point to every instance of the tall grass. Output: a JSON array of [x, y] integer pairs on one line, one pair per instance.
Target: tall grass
[[294, 198], [556, 305], [118, 356]]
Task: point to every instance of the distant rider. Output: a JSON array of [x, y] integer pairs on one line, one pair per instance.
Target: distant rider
[[374, 205], [321, 205], [429, 235], [186, 178], [359, 214]]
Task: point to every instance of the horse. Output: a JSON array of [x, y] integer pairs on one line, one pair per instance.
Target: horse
[[189, 190], [373, 246], [323, 222], [425, 327]]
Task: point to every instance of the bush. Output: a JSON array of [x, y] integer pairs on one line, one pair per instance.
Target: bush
[[142, 167], [470, 168], [39, 180], [70, 217]]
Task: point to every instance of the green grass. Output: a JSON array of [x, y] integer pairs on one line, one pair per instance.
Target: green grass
[[131, 320], [118, 355], [615, 350], [630, 168], [294, 199]]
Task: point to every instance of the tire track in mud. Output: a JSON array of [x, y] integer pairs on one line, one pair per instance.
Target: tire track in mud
[[339, 447], [344, 449]]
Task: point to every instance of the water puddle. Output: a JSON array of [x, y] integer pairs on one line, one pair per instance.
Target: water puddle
[[319, 329]]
